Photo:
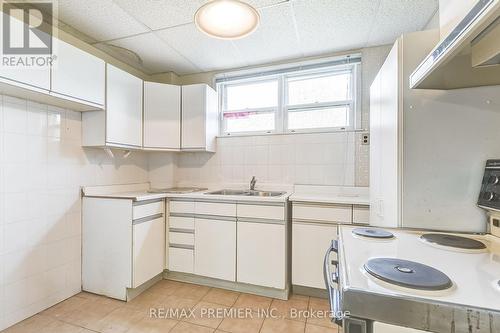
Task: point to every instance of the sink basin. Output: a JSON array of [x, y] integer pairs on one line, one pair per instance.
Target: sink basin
[[229, 192], [248, 193]]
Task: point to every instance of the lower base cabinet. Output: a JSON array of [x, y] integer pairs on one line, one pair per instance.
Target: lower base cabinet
[[309, 243], [215, 245], [261, 254], [148, 256]]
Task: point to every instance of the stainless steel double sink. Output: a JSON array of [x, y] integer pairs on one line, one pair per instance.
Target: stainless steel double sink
[[247, 193]]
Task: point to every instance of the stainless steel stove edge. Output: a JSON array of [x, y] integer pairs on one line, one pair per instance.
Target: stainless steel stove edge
[[419, 314]]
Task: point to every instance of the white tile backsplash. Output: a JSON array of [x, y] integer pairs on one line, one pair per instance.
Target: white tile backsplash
[[42, 167], [319, 158]]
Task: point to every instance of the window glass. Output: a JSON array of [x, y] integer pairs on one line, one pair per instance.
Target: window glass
[[249, 121], [254, 95], [307, 90], [331, 117]]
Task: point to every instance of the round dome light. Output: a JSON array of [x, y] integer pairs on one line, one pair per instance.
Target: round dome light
[[227, 19]]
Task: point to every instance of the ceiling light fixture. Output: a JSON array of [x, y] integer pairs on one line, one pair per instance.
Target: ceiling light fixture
[[227, 19]]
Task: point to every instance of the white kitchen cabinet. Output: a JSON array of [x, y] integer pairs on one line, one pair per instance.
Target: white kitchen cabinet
[[200, 125], [120, 125], [162, 116], [119, 251], [123, 108], [148, 250], [309, 243], [78, 74], [29, 77], [215, 248], [261, 253]]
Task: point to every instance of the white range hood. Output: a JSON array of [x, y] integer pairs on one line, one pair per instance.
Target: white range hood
[[469, 56]]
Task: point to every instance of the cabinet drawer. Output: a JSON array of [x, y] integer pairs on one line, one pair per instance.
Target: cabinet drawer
[[327, 213], [181, 238], [213, 208], [361, 214], [182, 207], [181, 222], [180, 260], [149, 209], [261, 212]]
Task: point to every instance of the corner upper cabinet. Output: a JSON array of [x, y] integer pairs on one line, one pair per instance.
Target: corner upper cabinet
[[120, 125], [78, 75], [200, 125], [162, 116]]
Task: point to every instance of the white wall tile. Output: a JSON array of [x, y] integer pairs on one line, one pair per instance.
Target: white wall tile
[[42, 166]]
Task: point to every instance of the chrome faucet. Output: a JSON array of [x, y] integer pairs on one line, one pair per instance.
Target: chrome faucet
[[252, 183]]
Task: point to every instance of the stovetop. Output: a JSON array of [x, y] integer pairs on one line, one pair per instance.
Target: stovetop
[[474, 276]]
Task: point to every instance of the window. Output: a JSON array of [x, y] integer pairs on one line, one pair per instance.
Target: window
[[316, 99]]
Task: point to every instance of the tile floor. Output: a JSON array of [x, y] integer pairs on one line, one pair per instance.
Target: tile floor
[[199, 309]]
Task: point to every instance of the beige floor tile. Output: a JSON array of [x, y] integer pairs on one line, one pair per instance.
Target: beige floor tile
[[282, 326], [65, 307], [253, 302], [241, 325], [165, 287], [294, 308], [320, 313], [31, 325], [191, 291], [221, 296], [208, 314], [184, 327], [175, 302], [89, 313], [320, 329], [146, 301], [118, 321], [61, 327], [153, 325]]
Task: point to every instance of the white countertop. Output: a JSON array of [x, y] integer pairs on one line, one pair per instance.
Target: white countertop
[[331, 194], [139, 192]]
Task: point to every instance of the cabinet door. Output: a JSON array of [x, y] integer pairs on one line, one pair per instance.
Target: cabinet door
[[148, 250], [32, 76], [261, 254], [123, 108], [309, 244], [215, 249], [193, 116], [78, 74], [162, 116]]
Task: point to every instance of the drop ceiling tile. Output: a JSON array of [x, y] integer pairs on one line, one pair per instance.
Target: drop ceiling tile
[[156, 56], [275, 39], [205, 52], [158, 14], [396, 17], [100, 19], [327, 26]]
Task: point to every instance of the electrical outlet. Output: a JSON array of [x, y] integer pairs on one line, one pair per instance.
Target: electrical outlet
[[365, 139]]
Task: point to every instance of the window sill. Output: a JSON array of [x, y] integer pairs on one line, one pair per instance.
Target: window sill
[[348, 130]]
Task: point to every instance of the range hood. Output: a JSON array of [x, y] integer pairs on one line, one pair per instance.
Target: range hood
[[468, 57]]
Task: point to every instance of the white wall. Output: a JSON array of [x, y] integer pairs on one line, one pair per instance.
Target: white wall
[[451, 12], [42, 166]]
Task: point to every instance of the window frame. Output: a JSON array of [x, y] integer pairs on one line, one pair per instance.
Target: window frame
[[282, 110]]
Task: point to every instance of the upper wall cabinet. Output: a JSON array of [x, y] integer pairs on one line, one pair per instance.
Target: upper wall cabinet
[[200, 125], [123, 108], [162, 116], [68, 78], [120, 125], [78, 74]]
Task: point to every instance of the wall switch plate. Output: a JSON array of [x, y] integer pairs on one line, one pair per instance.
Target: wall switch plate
[[365, 138]]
